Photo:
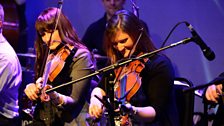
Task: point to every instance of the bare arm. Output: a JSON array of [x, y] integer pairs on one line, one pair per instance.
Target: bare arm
[[95, 107]]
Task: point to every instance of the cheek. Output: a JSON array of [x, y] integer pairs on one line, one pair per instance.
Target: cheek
[[44, 38], [129, 45]]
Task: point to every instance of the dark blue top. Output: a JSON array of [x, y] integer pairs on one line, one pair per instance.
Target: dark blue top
[[156, 90]]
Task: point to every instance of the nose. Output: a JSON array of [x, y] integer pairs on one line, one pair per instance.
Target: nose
[[120, 47], [45, 37]]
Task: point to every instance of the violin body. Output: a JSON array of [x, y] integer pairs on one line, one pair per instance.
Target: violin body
[[128, 83], [58, 61], [132, 79]]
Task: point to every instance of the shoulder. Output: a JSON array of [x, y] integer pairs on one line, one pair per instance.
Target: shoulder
[[7, 53], [144, 25], [5, 61], [143, 22], [82, 52], [222, 74], [83, 58], [159, 61], [9, 62]]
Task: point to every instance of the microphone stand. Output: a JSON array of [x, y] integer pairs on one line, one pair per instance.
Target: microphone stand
[[203, 85], [198, 87], [113, 66], [121, 63]]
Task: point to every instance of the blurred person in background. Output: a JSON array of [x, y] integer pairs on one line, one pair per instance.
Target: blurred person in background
[[10, 80]]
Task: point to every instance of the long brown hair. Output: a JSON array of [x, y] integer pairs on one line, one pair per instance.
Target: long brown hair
[[127, 22], [46, 21]]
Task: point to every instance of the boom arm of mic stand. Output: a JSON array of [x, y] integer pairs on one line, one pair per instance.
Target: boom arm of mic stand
[[121, 63], [201, 86], [184, 41], [197, 87]]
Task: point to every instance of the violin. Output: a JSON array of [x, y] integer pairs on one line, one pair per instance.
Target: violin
[[128, 84], [130, 78], [54, 65], [58, 61]]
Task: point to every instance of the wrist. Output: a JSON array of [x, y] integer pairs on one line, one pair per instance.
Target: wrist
[[57, 99], [94, 100], [134, 111], [54, 96], [62, 100]]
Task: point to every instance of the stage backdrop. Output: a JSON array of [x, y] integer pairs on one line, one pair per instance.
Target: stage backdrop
[[206, 16]]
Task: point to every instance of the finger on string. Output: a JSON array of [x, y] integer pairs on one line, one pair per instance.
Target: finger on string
[[219, 88], [39, 82]]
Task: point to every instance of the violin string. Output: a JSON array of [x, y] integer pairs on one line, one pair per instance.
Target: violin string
[[122, 97]]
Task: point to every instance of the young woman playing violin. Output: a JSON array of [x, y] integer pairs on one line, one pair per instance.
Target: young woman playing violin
[[70, 60], [143, 88]]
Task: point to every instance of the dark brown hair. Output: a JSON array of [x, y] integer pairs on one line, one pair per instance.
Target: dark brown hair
[[127, 22], [46, 22]]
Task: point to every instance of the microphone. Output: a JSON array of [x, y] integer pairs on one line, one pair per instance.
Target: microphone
[[208, 53]]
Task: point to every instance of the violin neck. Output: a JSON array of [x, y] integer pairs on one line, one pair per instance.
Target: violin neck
[[59, 47]]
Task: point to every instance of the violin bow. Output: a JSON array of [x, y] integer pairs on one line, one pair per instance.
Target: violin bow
[[45, 69]]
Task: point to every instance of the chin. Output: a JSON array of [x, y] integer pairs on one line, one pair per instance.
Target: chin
[[52, 47], [125, 56]]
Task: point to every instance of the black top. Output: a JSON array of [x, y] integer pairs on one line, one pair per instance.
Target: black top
[[156, 90], [93, 37]]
